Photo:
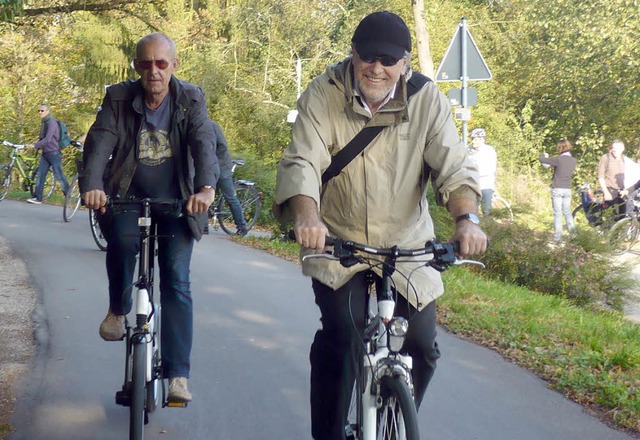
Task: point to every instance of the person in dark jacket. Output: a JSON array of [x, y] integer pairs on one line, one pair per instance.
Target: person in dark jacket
[[153, 138], [51, 154], [563, 167]]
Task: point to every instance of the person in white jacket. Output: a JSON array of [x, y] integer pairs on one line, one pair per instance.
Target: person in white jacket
[[485, 157]]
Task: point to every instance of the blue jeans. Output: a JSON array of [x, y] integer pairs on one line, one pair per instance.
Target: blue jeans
[[561, 201], [53, 161], [175, 246], [229, 193], [485, 203]]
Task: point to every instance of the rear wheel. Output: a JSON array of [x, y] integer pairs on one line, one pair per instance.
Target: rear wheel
[[71, 200], [96, 231], [250, 202], [623, 235], [5, 175], [397, 417], [136, 410]]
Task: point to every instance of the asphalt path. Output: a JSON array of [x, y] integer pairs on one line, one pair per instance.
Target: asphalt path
[[254, 321]]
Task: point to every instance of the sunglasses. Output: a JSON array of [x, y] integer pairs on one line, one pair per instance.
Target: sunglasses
[[385, 60], [146, 64]]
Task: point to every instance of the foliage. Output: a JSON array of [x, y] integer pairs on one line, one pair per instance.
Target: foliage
[[524, 257]]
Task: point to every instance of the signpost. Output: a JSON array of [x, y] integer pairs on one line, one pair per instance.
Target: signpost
[[463, 62]]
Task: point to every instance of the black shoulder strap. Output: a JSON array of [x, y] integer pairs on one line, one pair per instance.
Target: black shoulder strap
[[366, 135]]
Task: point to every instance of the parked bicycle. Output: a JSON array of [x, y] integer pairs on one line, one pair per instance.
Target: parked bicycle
[[23, 170], [383, 406], [593, 210], [144, 387], [500, 207], [72, 198], [625, 232], [250, 201]]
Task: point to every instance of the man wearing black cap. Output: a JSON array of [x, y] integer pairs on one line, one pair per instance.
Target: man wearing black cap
[[378, 198]]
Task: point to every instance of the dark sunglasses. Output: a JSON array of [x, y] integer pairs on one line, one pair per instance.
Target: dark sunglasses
[[385, 60], [146, 64]]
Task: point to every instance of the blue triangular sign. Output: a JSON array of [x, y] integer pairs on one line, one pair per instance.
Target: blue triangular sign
[[450, 68]]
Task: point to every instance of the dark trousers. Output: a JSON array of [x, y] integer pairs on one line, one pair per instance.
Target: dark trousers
[[336, 352], [175, 245]]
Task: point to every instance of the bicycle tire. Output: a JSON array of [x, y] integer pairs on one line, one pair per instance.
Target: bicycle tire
[[136, 409], [96, 231], [623, 235], [397, 418], [250, 202], [5, 175], [71, 200]]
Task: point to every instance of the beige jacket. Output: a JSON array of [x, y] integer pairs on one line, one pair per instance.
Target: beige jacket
[[379, 198]]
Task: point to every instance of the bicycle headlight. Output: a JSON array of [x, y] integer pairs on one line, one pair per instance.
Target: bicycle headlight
[[398, 328]]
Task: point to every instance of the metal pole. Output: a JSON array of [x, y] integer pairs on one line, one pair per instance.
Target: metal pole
[[463, 56]]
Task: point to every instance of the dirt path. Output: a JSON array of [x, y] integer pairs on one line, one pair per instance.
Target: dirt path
[[17, 344]]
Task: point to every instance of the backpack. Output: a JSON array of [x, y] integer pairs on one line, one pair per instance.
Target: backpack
[[65, 139]]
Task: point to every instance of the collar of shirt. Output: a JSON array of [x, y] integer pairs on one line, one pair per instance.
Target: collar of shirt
[[566, 153], [356, 92]]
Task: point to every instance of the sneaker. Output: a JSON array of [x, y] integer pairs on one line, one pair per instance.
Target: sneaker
[[178, 391], [242, 231], [112, 327], [34, 201]]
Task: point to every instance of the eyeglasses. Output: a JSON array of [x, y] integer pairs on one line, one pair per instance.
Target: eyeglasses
[[146, 64], [385, 60], [41, 111]]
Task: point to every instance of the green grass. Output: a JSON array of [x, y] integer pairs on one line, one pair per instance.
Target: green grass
[[590, 356]]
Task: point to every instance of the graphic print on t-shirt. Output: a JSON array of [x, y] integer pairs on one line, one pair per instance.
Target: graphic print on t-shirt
[[155, 147]]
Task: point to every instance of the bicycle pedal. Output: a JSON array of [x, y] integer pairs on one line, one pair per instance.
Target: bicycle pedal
[[173, 404]]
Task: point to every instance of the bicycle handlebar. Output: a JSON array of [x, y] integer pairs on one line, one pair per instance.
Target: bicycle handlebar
[[12, 145], [444, 254], [174, 205]]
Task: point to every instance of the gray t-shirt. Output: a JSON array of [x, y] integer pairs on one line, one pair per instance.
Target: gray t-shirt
[[155, 174]]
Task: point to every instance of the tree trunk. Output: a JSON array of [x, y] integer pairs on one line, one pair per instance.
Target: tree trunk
[[425, 61]]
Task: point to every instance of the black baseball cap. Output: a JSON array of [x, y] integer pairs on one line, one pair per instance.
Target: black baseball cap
[[382, 33]]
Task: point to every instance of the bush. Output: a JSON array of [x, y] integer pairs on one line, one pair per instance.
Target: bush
[[524, 257]]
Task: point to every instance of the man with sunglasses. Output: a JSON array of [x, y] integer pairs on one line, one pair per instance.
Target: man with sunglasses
[[378, 198], [153, 138], [51, 154]]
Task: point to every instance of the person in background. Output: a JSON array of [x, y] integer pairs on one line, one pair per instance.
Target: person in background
[[611, 171], [226, 184], [164, 146], [51, 155], [563, 167], [379, 199], [485, 158]]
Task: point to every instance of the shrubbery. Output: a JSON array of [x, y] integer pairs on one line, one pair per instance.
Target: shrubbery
[[524, 257]]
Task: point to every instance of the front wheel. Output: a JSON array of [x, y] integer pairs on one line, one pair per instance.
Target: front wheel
[[5, 175], [49, 185], [71, 200], [96, 231], [136, 410], [397, 417], [623, 235]]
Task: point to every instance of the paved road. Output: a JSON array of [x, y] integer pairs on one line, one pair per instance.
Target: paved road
[[254, 322]]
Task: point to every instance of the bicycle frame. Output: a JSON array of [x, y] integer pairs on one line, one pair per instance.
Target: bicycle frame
[[140, 388]]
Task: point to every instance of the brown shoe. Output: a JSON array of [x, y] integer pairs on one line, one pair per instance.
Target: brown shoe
[[112, 327], [178, 391]]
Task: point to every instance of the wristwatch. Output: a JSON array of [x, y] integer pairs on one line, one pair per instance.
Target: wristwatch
[[469, 216]]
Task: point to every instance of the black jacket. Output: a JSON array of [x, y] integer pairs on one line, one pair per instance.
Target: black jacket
[[110, 149]]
